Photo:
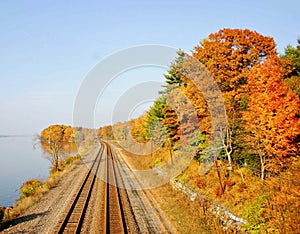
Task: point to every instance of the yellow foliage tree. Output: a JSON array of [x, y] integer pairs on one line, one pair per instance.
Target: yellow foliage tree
[[54, 140]]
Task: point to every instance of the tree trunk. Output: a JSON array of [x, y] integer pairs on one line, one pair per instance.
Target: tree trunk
[[229, 159], [219, 175], [242, 176], [262, 165], [171, 155], [55, 155], [227, 144]]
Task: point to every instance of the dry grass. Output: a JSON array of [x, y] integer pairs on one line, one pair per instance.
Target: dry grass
[[137, 162], [185, 216], [268, 206], [144, 161], [262, 205], [239, 191]]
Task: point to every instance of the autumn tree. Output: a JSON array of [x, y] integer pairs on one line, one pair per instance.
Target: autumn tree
[[172, 124], [140, 130], [177, 91], [105, 132], [55, 139], [84, 137], [229, 55], [273, 127], [120, 131]]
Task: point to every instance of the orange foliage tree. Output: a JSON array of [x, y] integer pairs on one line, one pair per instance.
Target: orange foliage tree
[[105, 132], [229, 55], [271, 118]]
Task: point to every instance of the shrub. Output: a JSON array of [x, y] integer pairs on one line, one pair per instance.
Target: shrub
[[201, 183], [242, 187], [229, 184], [157, 161], [71, 159], [53, 171], [30, 187], [218, 191], [254, 214], [52, 181]]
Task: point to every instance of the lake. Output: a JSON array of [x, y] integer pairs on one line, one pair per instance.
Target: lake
[[20, 161]]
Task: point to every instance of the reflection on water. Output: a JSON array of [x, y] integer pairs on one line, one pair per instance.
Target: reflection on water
[[20, 161]]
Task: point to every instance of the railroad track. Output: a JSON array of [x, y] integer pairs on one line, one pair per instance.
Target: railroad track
[[115, 220], [122, 211], [72, 221], [113, 213], [147, 217]]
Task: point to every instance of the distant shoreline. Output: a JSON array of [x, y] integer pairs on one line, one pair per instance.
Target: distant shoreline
[[5, 136]]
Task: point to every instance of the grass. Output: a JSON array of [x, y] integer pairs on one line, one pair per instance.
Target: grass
[[186, 216], [240, 191], [245, 195], [268, 206]]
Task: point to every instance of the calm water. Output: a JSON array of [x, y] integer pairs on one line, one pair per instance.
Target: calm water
[[19, 163]]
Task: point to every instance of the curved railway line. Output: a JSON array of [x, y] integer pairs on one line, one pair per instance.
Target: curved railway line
[[73, 219], [123, 211], [149, 217]]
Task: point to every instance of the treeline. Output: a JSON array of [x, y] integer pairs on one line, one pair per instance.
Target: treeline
[[260, 90]]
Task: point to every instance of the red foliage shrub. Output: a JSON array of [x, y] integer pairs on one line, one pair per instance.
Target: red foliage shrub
[[218, 191], [242, 187], [229, 184], [201, 183]]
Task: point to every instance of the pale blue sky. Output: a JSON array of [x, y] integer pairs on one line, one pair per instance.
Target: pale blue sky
[[47, 47]]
